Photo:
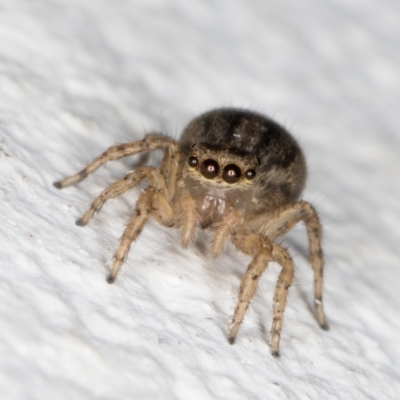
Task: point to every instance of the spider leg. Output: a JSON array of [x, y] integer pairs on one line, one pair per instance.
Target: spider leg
[[224, 230], [150, 202], [263, 250], [149, 143], [314, 230], [185, 207], [170, 169], [285, 279], [116, 189], [283, 223]]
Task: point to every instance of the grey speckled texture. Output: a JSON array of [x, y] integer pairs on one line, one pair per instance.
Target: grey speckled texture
[[79, 76]]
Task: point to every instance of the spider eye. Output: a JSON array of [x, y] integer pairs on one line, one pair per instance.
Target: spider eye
[[231, 173], [193, 161], [250, 174], [209, 169]]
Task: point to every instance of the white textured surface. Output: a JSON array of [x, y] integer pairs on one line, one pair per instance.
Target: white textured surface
[[79, 76]]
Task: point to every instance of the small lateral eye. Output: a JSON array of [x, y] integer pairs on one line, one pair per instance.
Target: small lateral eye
[[250, 174], [193, 161], [209, 168], [231, 173]]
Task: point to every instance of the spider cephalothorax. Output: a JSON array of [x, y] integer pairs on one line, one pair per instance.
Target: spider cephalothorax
[[234, 171], [221, 166]]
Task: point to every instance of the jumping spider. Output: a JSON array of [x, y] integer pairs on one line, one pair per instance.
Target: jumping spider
[[236, 173]]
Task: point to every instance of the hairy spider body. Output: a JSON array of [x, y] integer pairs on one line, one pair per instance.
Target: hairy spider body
[[236, 173], [242, 137]]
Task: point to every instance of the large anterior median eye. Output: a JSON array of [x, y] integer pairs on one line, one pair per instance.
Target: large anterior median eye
[[231, 173], [209, 168]]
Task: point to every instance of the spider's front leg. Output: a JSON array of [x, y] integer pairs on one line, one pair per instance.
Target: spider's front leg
[[114, 190], [151, 202], [285, 279], [224, 230], [263, 251], [186, 217], [149, 143]]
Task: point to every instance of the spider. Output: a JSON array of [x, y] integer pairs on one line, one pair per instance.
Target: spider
[[236, 173]]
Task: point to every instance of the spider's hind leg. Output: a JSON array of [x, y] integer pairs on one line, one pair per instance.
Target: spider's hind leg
[[283, 223]]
